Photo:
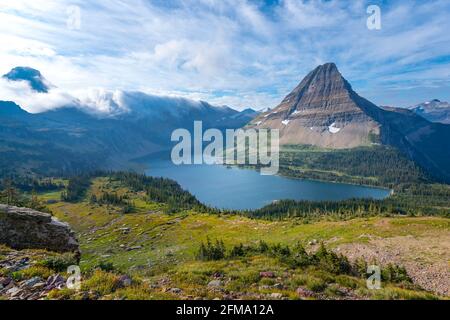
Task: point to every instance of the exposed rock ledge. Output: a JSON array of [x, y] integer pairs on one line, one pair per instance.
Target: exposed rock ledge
[[23, 228]]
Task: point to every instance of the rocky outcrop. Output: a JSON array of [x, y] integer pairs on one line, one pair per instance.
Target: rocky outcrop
[[23, 228]]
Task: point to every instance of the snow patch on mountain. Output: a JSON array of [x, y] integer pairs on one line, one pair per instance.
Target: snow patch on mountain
[[333, 129]]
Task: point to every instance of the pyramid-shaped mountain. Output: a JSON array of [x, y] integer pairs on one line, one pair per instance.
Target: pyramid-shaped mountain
[[323, 110]]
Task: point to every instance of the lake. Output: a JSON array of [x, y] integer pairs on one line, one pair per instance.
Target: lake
[[234, 188]]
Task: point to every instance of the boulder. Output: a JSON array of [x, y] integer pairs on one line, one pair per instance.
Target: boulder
[[304, 293], [23, 228], [276, 295], [125, 281]]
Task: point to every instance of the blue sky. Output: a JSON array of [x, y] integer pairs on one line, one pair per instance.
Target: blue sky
[[240, 53]]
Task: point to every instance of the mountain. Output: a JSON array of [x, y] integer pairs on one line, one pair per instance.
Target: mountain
[[323, 110], [434, 111], [79, 137], [35, 79], [10, 109], [320, 111]]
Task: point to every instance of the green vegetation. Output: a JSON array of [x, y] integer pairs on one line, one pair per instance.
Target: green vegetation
[[159, 190], [76, 188], [376, 165], [414, 192], [436, 203], [176, 250], [297, 257]]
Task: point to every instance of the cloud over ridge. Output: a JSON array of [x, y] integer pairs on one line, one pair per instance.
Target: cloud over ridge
[[240, 53]]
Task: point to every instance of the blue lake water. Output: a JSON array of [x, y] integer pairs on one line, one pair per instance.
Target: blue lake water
[[233, 188]]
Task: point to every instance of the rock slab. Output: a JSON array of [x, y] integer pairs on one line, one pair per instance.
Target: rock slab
[[24, 228]]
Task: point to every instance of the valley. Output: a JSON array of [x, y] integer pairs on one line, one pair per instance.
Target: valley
[[158, 247]]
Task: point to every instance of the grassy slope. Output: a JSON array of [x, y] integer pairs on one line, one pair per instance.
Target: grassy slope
[[169, 243]]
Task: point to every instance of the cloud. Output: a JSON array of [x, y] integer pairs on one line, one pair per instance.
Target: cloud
[[21, 93], [236, 52]]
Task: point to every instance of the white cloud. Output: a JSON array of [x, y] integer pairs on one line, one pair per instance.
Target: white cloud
[[239, 53], [21, 93]]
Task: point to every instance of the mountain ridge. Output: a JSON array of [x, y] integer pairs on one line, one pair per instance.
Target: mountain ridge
[[72, 138], [434, 111], [324, 111]]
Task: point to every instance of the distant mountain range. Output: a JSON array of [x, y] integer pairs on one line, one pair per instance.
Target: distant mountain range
[[323, 110], [434, 111], [75, 138]]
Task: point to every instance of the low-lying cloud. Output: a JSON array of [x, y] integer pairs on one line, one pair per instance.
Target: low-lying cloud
[[32, 101]]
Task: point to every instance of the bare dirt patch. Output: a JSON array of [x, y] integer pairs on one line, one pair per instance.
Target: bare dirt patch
[[426, 258]]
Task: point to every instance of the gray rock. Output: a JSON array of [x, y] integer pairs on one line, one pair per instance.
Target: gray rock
[[175, 290], [304, 293], [55, 281], [23, 228], [31, 282], [278, 286], [39, 285], [134, 248], [4, 281], [215, 283], [125, 281], [14, 291], [276, 295]]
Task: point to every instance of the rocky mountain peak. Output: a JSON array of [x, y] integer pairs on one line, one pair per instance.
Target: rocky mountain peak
[[34, 77], [322, 79], [322, 111], [434, 111]]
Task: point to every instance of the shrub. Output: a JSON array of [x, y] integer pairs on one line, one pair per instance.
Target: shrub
[[263, 247], [316, 285], [237, 251], [133, 293], [59, 263], [299, 280], [397, 293], [331, 262], [300, 257], [101, 282], [31, 272], [3, 272], [211, 251], [346, 281], [395, 274], [63, 294], [106, 266]]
